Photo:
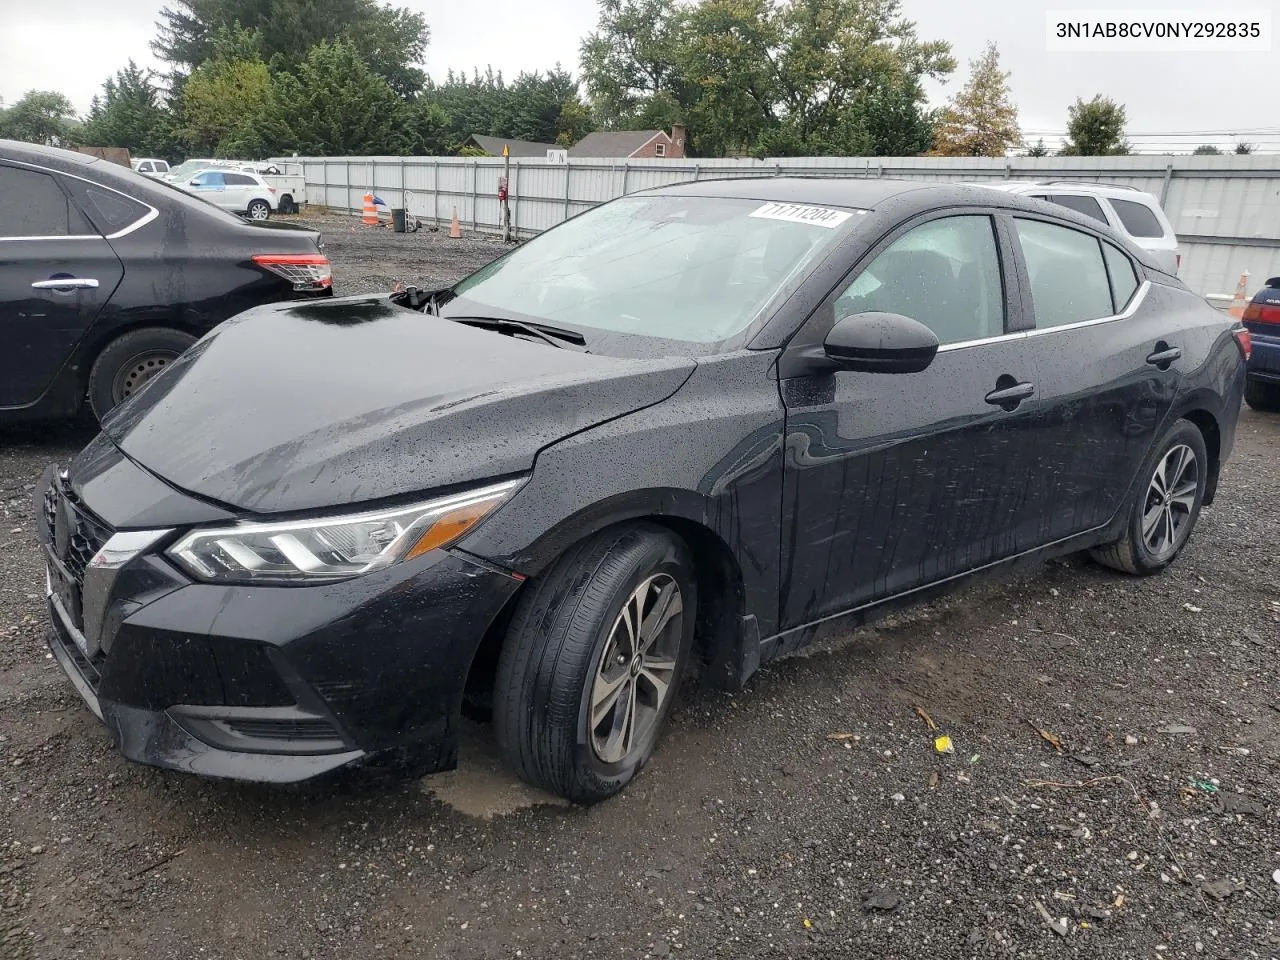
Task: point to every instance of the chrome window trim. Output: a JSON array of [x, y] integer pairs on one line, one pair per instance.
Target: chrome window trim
[[142, 221], [1135, 302]]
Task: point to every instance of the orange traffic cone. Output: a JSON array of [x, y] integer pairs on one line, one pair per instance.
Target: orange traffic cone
[[369, 215], [455, 229], [1240, 300]]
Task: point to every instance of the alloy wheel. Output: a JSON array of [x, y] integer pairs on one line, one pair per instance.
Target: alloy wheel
[[139, 370], [1171, 498], [637, 668], [259, 211]]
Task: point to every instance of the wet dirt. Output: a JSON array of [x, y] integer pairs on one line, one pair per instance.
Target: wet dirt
[[753, 832]]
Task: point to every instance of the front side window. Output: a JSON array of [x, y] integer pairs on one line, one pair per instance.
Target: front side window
[[1138, 219], [1068, 280], [944, 273], [208, 179], [33, 205], [695, 269]]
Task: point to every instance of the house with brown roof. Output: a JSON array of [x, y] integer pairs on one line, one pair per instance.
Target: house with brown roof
[[492, 146], [632, 144]]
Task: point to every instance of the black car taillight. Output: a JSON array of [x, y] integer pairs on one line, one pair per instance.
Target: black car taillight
[[1262, 313], [306, 271]]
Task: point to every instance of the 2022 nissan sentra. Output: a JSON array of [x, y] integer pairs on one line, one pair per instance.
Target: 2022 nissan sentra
[[691, 423], [106, 276]]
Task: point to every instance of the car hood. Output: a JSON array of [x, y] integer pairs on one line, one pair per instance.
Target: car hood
[[316, 404]]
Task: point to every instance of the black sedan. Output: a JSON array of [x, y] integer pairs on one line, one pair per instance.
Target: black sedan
[[689, 425], [106, 277]]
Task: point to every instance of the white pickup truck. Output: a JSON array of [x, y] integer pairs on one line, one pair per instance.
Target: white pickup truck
[[287, 178]]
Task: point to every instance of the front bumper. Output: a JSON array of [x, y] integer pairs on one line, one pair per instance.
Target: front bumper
[[278, 684]]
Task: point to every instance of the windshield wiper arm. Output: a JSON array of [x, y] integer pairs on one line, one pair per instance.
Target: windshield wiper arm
[[556, 336]]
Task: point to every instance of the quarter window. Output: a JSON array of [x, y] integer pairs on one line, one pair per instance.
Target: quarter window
[[944, 273], [1138, 219], [1124, 281], [1068, 278], [110, 212], [33, 205]]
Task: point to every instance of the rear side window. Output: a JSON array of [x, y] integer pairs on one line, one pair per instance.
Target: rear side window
[[1086, 205], [110, 212], [1068, 279], [238, 180], [1124, 281], [1138, 219], [33, 205]]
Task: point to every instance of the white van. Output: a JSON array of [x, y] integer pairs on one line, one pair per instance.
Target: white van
[[1128, 210]]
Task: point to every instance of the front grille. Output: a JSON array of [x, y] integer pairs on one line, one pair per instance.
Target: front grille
[[76, 534], [316, 729]]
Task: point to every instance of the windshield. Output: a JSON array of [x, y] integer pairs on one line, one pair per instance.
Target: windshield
[[696, 269]]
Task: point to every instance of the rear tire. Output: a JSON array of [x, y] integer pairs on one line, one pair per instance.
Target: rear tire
[[578, 704], [259, 210], [1261, 395], [1165, 504], [287, 205], [128, 362]]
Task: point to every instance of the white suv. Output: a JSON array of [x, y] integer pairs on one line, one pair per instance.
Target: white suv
[[1128, 210], [234, 190]]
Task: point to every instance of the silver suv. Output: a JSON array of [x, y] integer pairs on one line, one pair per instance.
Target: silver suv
[[1132, 212]]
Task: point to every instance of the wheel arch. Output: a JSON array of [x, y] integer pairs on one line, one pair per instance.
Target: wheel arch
[[1207, 423], [726, 641]]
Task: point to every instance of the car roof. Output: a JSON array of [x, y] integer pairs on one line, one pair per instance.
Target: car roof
[[1112, 190], [53, 157]]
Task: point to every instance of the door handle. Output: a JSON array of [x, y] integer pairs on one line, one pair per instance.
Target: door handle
[[1008, 393], [1164, 356], [66, 283]]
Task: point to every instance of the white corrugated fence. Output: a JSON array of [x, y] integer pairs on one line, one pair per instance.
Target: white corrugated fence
[[1226, 210]]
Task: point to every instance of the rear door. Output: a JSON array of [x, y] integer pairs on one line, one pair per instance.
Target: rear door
[[56, 274], [240, 189], [1110, 366], [893, 481]]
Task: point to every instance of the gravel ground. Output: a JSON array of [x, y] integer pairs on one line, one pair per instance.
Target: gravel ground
[[809, 815]]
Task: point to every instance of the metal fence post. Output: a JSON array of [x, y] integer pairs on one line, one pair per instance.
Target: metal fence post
[[568, 175], [435, 192], [626, 171], [475, 184], [346, 188], [1164, 187], [514, 187]]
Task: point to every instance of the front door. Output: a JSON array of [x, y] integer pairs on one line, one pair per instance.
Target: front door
[[56, 274], [210, 186], [894, 481]]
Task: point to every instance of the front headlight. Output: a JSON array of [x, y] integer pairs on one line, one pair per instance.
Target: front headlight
[[332, 548]]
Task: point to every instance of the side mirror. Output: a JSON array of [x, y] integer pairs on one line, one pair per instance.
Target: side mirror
[[881, 343], [194, 182]]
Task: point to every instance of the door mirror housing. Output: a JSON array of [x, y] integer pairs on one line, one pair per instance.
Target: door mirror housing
[[193, 182], [881, 343]]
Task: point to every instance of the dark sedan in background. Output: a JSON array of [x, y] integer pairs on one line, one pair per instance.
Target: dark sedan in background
[[695, 422], [1262, 318], [106, 277]]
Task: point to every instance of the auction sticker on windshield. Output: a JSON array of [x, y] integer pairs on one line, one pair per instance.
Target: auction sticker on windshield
[[801, 213]]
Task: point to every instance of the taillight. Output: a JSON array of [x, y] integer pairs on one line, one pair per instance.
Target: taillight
[[306, 271], [1244, 342], [1262, 312], [272, 189]]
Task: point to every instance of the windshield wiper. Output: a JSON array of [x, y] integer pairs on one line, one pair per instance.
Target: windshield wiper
[[556, 336]]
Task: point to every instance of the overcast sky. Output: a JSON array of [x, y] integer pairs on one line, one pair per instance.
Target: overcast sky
[[73, 45]]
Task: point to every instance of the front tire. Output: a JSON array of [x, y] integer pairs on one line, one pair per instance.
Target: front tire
[[1165, 505], [259, 210], [1261, 395], [128, 362], [593, 660]]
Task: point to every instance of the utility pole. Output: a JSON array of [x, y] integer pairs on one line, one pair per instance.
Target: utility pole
[[502, 194]]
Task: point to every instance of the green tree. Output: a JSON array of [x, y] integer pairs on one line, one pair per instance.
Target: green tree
[[631, 58], [980, 120], [334, 105], [1095, 129], [39, 116], [1038, 149], [130, 114], [1206, 150], [1243, 149], [390, 40], [221, 102], [425, 129]]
